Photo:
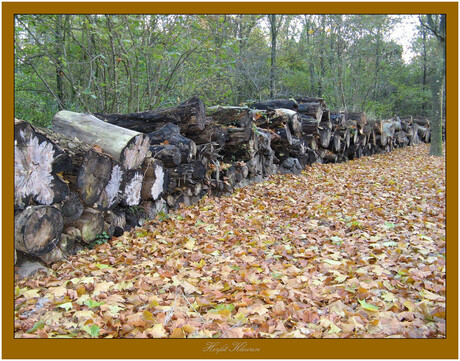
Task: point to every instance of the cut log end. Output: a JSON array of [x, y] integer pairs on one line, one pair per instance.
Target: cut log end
[[135, 152], [38, 230]]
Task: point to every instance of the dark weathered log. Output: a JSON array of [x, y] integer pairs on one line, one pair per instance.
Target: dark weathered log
[[241, 145], [170, 155], [117, 218], [290, 165], [90, 224], [423, 133], [155, 179], [314, 109], [401, 139], [309, 125], [360, 117], [153, 208], [337, 120], [169, 134], [37, 229], [66, 244], [189, 172], [186, 114], [326, 117], [71, 208], [325, 137], [210, 133], [112, 192], [93, 176], [275, 104], [424, 122], [231, 116], [126, 146], [305, 100], [37, 162], [336, 142]]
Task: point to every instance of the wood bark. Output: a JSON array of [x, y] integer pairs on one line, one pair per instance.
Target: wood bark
[[188, 113], [275, 104], [236, 116], [170, 134], [126, 146], [170, 155]]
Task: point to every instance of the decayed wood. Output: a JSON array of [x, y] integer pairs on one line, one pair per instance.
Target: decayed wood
[[37, 161], [313, 109], [155, 179], [309, 125], [170, 134], [359, 117], [71, 208], [236, 116], [90, 224], [210, 133], [170, 155], [275, 104], [124, 145], [37, 229], [188, 113], [117, 218], [111, 193], [191, 173], [325, 137], [133, 188], [93, 176]]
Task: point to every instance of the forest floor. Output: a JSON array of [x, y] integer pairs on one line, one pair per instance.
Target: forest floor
[[355, 249]]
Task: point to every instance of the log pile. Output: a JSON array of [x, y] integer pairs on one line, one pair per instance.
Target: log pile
[[102, 174]]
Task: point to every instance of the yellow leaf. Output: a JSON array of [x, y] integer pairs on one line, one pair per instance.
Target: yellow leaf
[[31, 294], [190, 245], [410, 306], [334, 329], [148, 316], [157, 331], [189, 329], [178, 333]]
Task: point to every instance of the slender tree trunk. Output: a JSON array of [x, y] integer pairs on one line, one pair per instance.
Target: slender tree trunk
[[439, 30], [274, 31], [59, 36]]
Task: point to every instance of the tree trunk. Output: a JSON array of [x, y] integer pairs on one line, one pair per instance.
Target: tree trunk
[[37, 230], [126, 146]]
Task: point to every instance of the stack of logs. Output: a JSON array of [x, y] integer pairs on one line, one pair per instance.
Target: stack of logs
[[90, 174]]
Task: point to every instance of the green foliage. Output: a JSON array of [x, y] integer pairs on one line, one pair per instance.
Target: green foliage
[[127, 63], [100, 239]]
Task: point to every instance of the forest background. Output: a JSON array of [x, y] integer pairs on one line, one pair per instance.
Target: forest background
[[129, 63]]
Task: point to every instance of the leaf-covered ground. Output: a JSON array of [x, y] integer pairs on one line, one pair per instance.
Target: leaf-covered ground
[[348, 250]]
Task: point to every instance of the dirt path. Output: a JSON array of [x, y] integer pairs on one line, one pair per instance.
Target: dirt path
[[347, 250]]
